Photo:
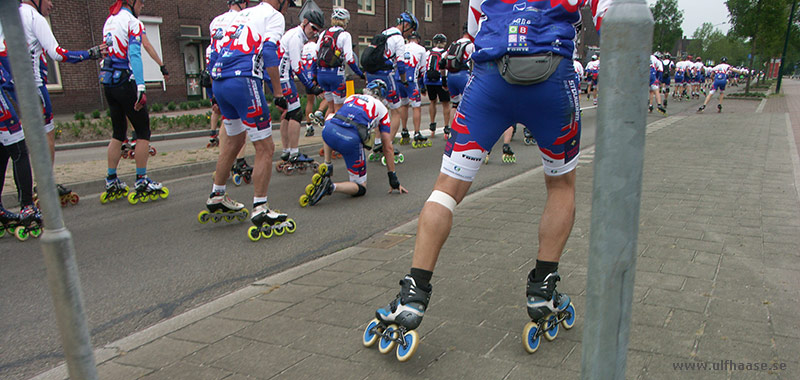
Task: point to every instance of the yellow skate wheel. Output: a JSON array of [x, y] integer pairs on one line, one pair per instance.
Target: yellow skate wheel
[[323, 168], [127, 190], [164, 192], [412, 343], [386, 345], [245, 215], [266, 231], [304, 200], [316, 179], [253, 233], [370, 337], [309, 189], [203, 217], [154, 196], [132, 198], [104, 198], [278, 231], [292, 226]]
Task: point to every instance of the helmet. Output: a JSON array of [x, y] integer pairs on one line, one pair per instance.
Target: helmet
[[698, 59], [376, 88], [724, 60], [657, 54], [316, 18], [667, 55], [594, 57], [340, 14], [439, 38], [409, 18], [232, 2], [414, 35]]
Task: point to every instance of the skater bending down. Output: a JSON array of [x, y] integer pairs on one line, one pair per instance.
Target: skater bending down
[[347, 131], [549, 106]]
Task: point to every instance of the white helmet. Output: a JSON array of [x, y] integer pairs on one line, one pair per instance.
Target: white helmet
[[340, 14]]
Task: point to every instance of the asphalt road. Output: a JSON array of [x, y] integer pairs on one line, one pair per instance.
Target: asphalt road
[[142, 264]]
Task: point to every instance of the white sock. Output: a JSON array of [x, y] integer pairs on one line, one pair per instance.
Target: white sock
[[218, 189]]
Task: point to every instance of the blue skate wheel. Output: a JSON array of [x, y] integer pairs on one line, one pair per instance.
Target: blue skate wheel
[[569, 321], [412, 343], [371, 333], [237, 179], [530, 339], [551, 328], [388, 342]]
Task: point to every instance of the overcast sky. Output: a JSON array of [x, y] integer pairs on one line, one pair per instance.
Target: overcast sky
[[696, 12]]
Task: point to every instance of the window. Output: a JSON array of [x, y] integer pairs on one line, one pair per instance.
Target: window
[[338, 3], [190, 31], [53, 72], [428, 10], [445, 2], [366, 6], [410, 6], [152, 72], [428, 43]]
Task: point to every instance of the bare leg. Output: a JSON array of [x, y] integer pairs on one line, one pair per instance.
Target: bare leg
[[227, 154], [417, 111], [142, 153], [558, 216], [114, 148], [262, 165]]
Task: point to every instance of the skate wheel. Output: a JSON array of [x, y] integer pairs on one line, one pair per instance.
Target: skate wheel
[[203, 217], [402, 158], [20, 233], [309, 189], [266, 231], [530, 340], [292, 226], [152, 151], [36, 232], [302, 169], [387, 344], [412, 343], [569, 321], [144, 198], [63, 203], [551, 328], [164, 192], [322, 151], [245, 215], [247, 179], [279, 230], [288, 170], [279, 167], [316, 179], [105, 198], [370, 337], [74, 199], [229, 217], [254, 233], [208, 145], [131, 154], [322, 169], [304, 200], [383, 161], [414, 145], [237, 179], [132, 198], [153, 196]]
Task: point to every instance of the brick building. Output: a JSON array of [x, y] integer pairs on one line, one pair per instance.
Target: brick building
[[179, 32]]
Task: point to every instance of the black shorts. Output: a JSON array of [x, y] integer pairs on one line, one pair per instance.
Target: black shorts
[[436, 91], [121, 100]]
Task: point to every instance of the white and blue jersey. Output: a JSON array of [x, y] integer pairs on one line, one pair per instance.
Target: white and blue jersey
[[250, 43], [393, 55], [721, 73], [656, 69], [332, 79]]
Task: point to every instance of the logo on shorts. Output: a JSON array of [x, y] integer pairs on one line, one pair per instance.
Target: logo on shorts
[[457, 168], [470, 157]]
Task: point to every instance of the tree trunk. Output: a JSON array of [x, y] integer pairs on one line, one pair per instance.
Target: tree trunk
[[752, 57]]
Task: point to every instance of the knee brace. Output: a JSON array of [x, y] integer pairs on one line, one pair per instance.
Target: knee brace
[[443, 199], [361, 190], [295, 115]]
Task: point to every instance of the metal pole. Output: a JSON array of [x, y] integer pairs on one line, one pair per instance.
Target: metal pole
[[785, 46], [626, 42], [57, 245]]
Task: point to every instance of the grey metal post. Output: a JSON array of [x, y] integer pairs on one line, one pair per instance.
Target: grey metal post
[[57, 245], [626, 40]]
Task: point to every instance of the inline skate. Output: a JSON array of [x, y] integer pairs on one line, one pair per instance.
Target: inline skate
[[132, 155], [377, 154], [447, 132], [432, 128], [241, 171], [528, 137], [508, 155], [395, 324], [65, 196], [421, 141], [650, 108], [269, 222], [297, 162], [547, 308], [405, 138], [115, 189], [8, 221], [701, 109], [147, 190], [214, 140], [719, 108], [222, 207], [662, 110], [30, 223], [320, 186], [126, 150], [316, 119]]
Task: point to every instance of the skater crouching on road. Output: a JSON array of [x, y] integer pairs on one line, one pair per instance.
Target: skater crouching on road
[[347, 131], [504, 36]]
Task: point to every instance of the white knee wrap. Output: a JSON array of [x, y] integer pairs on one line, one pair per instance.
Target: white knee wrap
[[443, 199]]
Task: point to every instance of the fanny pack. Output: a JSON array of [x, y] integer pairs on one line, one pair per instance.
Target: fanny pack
[[109, 76], [366, 134], [528, 69]]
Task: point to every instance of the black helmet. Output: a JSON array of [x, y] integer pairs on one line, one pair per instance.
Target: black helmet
[[414, 35], [316, 18], [667, 55], [232, 2], [439, 38], [723, 60]]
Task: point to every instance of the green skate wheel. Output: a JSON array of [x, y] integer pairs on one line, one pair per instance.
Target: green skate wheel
[[36, 232], [387, 344], [383, 161], [412, 343], [551, 328], [203, 217], [569, 321], [323, 168], [304, 200], [402, 158], [370, 337], [530, 339], [278, 231], [2, 231], [254, 233], [132, 198], [20, 233]]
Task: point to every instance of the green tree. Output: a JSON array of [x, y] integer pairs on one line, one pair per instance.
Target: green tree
[[667, 29]]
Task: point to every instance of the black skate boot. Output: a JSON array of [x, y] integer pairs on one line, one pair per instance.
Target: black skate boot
[[719, 108], [701, 109], [269, 222], [432, 128], [508, 154], [547, 308], [662, 110], [447, 132], [30, 223], [377, 152], [221, 207], [8, 221], [420, 141], [405, 137], [214, 140], [650, 108], [395, 323], [320, 186]]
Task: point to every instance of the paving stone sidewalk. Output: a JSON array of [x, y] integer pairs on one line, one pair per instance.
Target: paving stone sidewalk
[[718, 274]]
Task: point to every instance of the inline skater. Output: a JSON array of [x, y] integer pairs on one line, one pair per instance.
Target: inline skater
[[550, 109], [410, 95], [347, 131], [656, 69], [237, 84], [592, 71], [289, 50], [669, 67], [681, 77], [435, 82], [579, 72], [697, 77], [721, 73], [308, 59], [457, 61]]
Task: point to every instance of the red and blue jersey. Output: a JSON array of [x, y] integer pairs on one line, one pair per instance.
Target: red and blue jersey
[[250, 43], [123, 32], [527, 27], [721, 71], [364, 110]]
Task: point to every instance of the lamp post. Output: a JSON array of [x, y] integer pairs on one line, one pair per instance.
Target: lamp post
[[785, 46]]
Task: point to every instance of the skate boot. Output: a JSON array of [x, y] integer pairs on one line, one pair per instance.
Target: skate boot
[[241, 171], [486, 159], [432, 128], [665, 101], [281, 165], [719, 108], [662, 110], [222, 207], [269, 222], [320, 186], [66, 195], [8, 221], [395, 324], [377, 152], [405, 137], [547, 308], [420, 141], [398, 158], [529, 139], [508, 154], [30, 223], [701, 109], [447, 132], [299, 162], [650, 108], [126, 149], [214, 140], [115, 189], [147, 190]]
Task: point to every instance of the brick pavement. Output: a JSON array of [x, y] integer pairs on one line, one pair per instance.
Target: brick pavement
[[717, 279]]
